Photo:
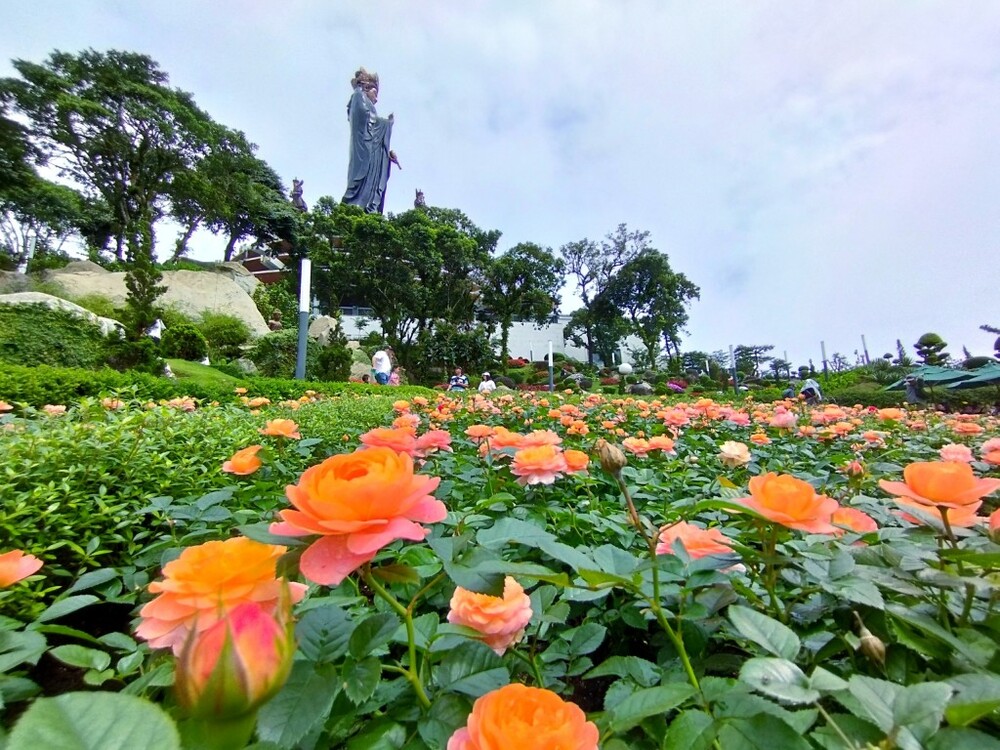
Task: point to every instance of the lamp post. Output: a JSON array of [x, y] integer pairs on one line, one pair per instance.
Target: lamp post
[[552, 379], [305, 286]]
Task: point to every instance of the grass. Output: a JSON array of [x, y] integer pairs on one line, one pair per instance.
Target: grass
[[200, 373]]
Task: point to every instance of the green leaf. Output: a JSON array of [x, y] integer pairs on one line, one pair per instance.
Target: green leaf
[[761, 732], [766, 632], [371, 633], [94, 721], [856, 590], [691, 730], [976, 695], [447, 713], [920, 707], [643, 672], [648, 702], [360, 678], [471, 669], [951, 738], [381, 734], [91, 579], [323, 633], [81, 656], [396, 573], [20, 647], [65, 606], [778, 678], [514, 530], [871, 699], [586, 638], [304, 701]]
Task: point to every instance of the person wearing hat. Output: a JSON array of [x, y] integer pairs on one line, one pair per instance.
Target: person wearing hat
[[487, 385]]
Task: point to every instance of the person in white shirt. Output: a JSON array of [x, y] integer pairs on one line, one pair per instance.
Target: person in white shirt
[[488, 385], [382, 365]]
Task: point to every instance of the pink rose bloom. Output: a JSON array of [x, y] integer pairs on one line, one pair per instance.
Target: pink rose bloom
[[783, 419], [433, 440], [956, 452], [500, 619]]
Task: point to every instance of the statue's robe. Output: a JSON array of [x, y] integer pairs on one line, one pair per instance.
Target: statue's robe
[[369, 165]]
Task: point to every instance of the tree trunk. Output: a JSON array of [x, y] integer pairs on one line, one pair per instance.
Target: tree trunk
[[229, 247], [181, 247], [504, 341]]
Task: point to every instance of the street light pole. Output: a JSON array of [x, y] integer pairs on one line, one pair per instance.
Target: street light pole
[[305, 287]]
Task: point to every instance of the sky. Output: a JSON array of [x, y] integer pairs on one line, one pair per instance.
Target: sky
[[822, 171]]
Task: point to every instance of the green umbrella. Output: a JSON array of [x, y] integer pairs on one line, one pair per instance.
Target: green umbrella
[[932, 375], [983, 376]]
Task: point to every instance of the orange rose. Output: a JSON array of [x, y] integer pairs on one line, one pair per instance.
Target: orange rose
[[15, 566], [576, 461], [891, 414], [854, 519], [963, 516], [790, 501], [205, 583], [479, 432], [399, 439], [517, 717], [995, 524], [967, 428], [636, 446], [536, 438], [401, 406], [358, 502], [5, 407], [697, 542], [661, 443], [284, 428], [243, 462], [538, 465], [501, 619], [759, 438], [944, 484]]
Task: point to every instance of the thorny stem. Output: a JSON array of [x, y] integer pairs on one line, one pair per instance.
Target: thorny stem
[[411, 674], [836, 727]]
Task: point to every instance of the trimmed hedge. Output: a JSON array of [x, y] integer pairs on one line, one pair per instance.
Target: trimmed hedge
[[37, 386], [35, 334]]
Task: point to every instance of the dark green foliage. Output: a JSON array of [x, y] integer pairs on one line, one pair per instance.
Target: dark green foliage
[[37, 335], [141, 355], [37, 386], [184, 341], [334, 360], [278, 296], [930, 348], [973, 363], [225, 334], [450, 347], [275, 353]]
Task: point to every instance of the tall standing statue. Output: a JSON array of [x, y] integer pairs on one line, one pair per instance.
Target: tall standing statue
[[371, 159], [297, 200]]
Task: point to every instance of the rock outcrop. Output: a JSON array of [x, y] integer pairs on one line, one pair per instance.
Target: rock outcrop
[[192, 292], [37, 298]]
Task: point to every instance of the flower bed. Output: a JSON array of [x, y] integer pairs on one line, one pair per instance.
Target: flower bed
[[524, 571]]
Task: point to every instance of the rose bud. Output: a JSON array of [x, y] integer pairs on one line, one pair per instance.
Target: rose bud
[[612, 457]]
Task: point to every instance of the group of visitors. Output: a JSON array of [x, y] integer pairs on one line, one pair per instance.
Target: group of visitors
[[387, 372], [460, 382]]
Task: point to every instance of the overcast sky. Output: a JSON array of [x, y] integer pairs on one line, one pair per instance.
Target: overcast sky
[[821, 170]]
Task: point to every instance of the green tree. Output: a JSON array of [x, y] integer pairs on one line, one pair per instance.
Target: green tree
[[931, 349], [593, 265], [37, 208], [653, 298], [750, 359], [523, 284]]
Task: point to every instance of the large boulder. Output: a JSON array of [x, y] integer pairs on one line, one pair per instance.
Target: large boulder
[[323, 328], [192, 292], [37, 298]]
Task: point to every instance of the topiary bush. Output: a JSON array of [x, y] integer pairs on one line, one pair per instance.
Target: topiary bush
[[184, 341], [275, 354], [224, 333], [37, 335]]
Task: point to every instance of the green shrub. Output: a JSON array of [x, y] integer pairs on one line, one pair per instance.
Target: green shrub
[[275, 354], [334, 362], [99, 304], [37, 334], [172, 315], [141, 356], [225, 334], [271, 297], [184, 341]]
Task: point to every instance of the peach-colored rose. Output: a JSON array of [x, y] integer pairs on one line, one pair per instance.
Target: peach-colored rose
[[112, 404], [54, 410], [941, 484], [240, 391], [206, 582], [576, 461], [968, 428], [358, 502], [759, 438], [15, 566], [891, 414], [661, 443], [479, 432], [236, 665], [517, 717], [733, 454], [431, 441], [243, 462], [538, 465], [853, 519], [636, 446], [990, 451], [536, 438], [257, 402], [995, 524], [504, 438], [791, 502], [697, 542], [401, 406], [5, 407], [501, 619], [284, 428], [962, 516], [956, 452], [401, 440]]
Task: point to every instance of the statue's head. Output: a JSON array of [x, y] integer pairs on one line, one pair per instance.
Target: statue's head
[[368, 83]]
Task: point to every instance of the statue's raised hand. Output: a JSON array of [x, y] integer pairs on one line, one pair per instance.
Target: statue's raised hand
[[392, 117], [394, 160]]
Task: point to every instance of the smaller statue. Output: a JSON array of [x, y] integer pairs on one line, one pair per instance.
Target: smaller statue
[[296, 194], [419, 201]]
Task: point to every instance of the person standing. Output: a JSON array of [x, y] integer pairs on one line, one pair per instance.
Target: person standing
[[459, 381], [487, 385], [382, 365]]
